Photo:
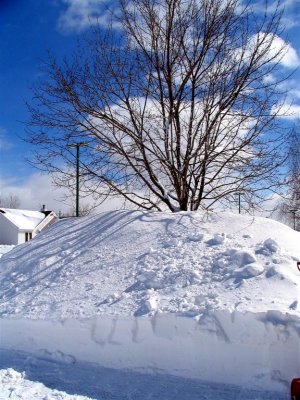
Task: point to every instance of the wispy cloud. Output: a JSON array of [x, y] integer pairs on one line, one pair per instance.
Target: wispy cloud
[[81, 14], [288, 111], [292, 88], [290, 8], [4, 143]]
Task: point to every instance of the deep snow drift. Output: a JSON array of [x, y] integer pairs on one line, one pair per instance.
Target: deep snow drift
[[210, 296]]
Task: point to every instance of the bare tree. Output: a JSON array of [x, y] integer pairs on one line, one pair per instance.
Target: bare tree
[[10, 201], [176, 105], [294, 164]]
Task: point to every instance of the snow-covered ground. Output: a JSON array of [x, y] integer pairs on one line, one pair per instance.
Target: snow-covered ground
[[63, 381], [4, 248], [195, 304], [15, 386]]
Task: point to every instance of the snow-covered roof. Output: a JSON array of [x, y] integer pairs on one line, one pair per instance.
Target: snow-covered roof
[[23, 219]]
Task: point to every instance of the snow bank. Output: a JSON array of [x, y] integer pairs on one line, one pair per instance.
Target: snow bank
[[254, 351], [209, 296]]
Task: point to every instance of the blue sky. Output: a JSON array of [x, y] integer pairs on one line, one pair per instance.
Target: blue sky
[[27, 29]]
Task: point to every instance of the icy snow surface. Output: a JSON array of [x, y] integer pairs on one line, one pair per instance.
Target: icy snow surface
[[212, 297]]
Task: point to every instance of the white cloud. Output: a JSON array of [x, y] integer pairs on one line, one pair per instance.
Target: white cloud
[[81, 14], [33, 192], [275, 47], [290, 58], [38, 189]]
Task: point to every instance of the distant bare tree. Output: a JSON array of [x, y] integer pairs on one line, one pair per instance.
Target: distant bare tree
[[176, 106], [289, 207], [84, 210], [10, 201]]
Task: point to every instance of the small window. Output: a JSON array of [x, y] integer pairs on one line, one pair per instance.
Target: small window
[[28, 236]]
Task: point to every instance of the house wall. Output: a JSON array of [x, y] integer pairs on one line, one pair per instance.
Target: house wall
[[8, 232], [22, 236]]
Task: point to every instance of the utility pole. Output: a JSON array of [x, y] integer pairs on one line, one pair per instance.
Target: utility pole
[[240, 194], [77, 146], [294, 211]]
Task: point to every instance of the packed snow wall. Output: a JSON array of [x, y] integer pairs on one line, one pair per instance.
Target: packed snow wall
[[251, 350]]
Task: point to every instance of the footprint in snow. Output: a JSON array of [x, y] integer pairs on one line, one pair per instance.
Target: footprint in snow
[[219, 238]]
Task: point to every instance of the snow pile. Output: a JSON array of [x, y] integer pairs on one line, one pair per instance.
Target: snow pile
[[202, 295], [135, 263]]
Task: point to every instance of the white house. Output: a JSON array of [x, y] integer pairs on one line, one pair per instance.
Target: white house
[[19, 226]]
